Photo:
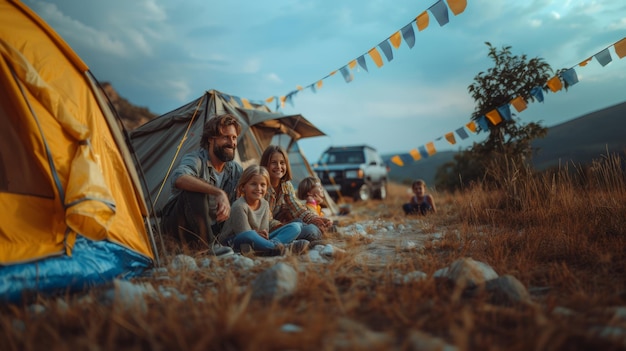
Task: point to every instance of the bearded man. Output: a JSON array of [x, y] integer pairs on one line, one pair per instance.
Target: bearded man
[[203, 188]]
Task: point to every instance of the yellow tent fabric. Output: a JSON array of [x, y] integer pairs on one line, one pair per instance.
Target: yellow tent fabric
[[65, 169]]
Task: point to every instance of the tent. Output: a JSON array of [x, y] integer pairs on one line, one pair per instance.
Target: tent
[[71, 207], [159, 149]]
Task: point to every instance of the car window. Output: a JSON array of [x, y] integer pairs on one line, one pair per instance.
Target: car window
[[338, 157]]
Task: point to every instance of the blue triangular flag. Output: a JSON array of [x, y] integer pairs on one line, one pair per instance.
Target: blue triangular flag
[[440, 11], [289, 97], [406, 158], [386, 47], [482, 123], [361, 61], [570, 77], [537, 93], [423, 152], [313, 88], [505, 112], [347, 75], [408, 35], [462, 133], [604, 57]]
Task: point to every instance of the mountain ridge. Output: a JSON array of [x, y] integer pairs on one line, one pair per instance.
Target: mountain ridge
[[579, 141]]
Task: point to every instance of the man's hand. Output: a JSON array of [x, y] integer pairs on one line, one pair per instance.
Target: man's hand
[[223, 207]]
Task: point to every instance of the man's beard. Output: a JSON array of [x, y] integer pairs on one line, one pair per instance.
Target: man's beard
[[223, 154]]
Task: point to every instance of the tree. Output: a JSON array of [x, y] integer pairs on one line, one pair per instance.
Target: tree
[[510, 77], [509, 141]]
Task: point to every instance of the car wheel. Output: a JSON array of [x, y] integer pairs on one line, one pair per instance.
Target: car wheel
[[363, 194], [381, 194]]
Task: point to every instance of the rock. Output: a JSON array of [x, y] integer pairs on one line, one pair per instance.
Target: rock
[[242, 262], [277, 282], [290, 328], [183, 262], [205, 263], [411, 277], [421, 341], [169, 291], [36, 309], [331, 251], [507, 290], [466, 272], [408, 245], [352, 335], [127, 295], [315, 256]]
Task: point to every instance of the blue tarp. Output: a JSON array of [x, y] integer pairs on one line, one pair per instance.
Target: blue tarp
[[92, 263]]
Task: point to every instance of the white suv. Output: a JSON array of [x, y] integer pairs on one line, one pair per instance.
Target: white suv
[[355, 171]]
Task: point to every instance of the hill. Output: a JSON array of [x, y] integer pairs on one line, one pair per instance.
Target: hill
[[579, 141], [132, 116], [583, 139]]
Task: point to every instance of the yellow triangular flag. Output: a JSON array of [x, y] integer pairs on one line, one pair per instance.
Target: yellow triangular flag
[[585, 62], [246, 104], [422, 21], [494, 117], [620, 48], [415, 154], [282, 100], [352, 64], [519, 103], [430, 148], [471, 126], [555, 84], [375, 55], [269, 99], [397, 160], [319, 84], [299, 87], [396, 39], [457, 6], [332, 73], [450, 138]]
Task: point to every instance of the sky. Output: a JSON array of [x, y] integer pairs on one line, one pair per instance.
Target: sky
[[161, 54]]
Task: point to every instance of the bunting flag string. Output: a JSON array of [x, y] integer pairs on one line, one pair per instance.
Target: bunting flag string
[[503, 113], [439, 10]]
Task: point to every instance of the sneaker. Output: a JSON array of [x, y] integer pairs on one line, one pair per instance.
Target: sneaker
[[219, 250], [314, 243], [278, 250], [246, 249], [298, 247]]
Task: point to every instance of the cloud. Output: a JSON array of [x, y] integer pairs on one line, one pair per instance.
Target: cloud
[[620, 24], [179, 90], [273, 77], [78, 33]]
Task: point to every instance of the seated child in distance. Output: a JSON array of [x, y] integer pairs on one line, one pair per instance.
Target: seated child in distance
[[420, 203]]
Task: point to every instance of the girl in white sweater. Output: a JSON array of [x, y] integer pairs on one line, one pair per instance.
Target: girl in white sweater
[[250, 217]]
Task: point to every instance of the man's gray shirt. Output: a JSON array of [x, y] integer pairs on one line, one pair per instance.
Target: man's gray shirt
[[197, 164]]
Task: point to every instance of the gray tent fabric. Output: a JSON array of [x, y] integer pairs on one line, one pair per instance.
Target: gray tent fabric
[[159, 144]]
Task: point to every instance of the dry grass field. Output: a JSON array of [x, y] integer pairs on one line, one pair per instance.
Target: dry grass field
[[562, 235]]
